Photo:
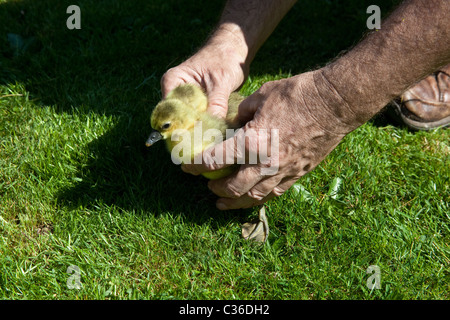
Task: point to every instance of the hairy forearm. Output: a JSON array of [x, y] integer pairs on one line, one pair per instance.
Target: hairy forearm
[[247, 24], [413, 42]]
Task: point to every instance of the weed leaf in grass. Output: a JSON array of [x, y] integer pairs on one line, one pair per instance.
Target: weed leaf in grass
[[300, 191], [335, 185]]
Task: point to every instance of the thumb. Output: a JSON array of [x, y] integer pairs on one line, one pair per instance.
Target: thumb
[[218, 102], [247, 109]]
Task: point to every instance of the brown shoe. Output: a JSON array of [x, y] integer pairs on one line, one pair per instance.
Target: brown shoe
[[426, 105]]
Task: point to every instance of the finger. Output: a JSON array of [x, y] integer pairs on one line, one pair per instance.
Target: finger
[[219, 156], [284, 185], [263, 188], [169, 81], [237, 184], [247, 201], [189, 169], [247, 109], [218, 102], [168, 86], [243, 202], [248, 180]]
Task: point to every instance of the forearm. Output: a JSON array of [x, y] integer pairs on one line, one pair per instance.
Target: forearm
[[413, 42], [247, 24]]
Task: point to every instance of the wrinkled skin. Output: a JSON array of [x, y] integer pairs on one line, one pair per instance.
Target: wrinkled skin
[[293, 106], [286, 105], [304, 141], [219, 69], [312, 111]]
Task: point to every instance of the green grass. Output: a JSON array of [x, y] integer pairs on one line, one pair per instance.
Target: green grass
[[78, 187]]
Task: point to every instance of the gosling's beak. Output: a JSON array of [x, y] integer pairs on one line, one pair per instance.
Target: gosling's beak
[[154, 137]]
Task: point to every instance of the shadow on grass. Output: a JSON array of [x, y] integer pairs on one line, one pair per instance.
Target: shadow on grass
[[112, 67]]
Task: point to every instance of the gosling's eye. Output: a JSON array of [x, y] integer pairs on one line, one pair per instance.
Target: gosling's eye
[[165, 126]]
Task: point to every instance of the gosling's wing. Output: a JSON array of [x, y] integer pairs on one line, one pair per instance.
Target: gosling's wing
[[191, 95]]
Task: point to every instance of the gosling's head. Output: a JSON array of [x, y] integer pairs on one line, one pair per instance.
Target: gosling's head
[[169, 115]]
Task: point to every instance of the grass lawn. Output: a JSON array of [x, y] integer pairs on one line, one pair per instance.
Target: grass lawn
[[79, 188]]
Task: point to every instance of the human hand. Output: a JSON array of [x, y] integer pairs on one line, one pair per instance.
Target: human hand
[[308, 125], [219, 68]]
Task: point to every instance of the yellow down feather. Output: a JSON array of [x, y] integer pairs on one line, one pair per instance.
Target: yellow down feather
[[181, 109]]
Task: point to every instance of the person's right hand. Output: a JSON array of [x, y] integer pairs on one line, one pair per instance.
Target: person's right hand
[[218, 68], [298, 121]]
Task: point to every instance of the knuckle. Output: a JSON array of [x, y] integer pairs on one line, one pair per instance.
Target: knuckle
[[231, 192], [209, 161], [256, 194], [166, 76], [278, 191]]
